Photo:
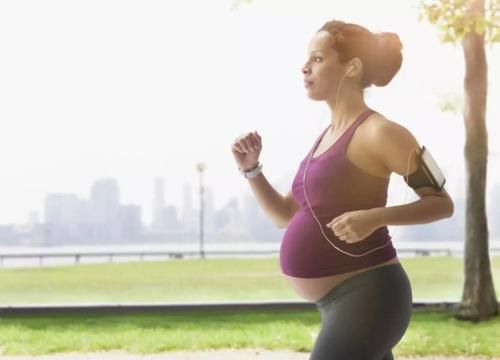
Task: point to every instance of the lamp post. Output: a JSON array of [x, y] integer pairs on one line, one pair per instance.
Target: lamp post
[[201, 167]]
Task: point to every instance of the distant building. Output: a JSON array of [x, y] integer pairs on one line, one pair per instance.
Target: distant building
[[158, 205], [189, 217], [165, 218], [129, 223], [101, 219]]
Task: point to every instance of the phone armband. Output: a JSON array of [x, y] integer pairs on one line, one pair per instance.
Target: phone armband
[[428, 172]]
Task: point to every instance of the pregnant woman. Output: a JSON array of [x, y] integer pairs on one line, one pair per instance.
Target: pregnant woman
[[336, 250]]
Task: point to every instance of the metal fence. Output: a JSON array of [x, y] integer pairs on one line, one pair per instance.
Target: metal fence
[[142, 255]]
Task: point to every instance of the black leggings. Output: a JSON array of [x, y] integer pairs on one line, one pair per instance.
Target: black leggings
[[365, 316]]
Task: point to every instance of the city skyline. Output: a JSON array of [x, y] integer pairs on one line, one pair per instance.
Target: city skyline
[[102, 219]]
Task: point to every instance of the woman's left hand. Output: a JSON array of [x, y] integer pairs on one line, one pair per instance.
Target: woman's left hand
[[354, 226]]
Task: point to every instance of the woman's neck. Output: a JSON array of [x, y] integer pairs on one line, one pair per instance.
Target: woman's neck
[[346, 107]]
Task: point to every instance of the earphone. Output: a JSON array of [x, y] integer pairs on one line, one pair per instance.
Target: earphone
[[307, 200], [352, 67]]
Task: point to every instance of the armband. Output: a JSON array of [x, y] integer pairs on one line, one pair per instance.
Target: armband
[[428, 173]]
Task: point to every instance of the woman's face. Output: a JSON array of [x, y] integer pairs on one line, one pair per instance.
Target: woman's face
[[322, 71]]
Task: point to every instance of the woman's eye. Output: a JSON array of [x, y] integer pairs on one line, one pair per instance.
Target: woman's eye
[[317, 58]]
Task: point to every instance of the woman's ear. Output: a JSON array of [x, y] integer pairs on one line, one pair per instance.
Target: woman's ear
[[355, 67]]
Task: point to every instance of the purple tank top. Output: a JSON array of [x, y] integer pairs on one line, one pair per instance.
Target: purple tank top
[[334, 185]]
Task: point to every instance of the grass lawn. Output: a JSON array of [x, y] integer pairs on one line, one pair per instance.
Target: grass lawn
[[430, 333], [201, 280]]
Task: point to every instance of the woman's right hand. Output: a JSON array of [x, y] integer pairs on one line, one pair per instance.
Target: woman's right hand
[[246, 150]]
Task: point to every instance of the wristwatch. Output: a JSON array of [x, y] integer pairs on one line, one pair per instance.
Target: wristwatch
[[252, 172]]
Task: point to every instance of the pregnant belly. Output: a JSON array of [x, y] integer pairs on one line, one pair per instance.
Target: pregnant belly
[[308, 260], [313, 289], [307, 247]]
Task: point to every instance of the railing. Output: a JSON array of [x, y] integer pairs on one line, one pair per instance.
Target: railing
[[110, 254], [178, 254], [175, 254]]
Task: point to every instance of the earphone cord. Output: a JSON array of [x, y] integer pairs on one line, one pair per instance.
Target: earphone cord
[[320, 227], [406, 188]]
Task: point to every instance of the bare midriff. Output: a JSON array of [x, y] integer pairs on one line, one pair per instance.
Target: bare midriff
[[313, 289]]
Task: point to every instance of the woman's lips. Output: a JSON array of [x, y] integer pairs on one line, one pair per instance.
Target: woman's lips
[[307, 84]]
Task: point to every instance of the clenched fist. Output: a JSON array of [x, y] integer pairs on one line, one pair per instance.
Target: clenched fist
[[246, 150]]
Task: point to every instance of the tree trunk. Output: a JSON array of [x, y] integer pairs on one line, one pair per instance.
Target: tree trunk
[[478, 298]]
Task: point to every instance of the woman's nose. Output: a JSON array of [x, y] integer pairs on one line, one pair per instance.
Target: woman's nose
[[305, 70]]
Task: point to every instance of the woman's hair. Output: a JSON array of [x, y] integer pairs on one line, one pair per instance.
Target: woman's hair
[[380, 52]]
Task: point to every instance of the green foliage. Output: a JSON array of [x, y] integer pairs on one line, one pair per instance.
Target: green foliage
[[189, 280], [455, 18]]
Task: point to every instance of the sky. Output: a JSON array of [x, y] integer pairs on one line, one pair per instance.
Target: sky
[[137, 90]]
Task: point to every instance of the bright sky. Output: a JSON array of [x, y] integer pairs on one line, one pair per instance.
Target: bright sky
[[136, 90]]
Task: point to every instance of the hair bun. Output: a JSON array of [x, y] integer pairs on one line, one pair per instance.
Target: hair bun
[[385, 39], [389, 57], [379, 52]]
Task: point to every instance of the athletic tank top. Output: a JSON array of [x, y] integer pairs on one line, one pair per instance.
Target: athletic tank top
[[334, 185]]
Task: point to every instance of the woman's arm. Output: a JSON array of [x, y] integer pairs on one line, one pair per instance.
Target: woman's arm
[[393, 144], [271, 201], [428, 208]]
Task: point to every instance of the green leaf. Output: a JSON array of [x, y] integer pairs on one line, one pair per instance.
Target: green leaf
[[447, 37], [453, 20]]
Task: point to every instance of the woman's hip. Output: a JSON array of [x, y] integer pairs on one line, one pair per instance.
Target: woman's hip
[[365, 316], [386, 288]]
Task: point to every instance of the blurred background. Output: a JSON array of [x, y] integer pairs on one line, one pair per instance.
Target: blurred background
[[118, 117]]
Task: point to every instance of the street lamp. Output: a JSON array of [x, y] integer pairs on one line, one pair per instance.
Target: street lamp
[[201, 167]]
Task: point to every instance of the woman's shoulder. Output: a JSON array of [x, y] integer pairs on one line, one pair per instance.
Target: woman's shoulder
[[392, 143], [382, 130], [382, 122]]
